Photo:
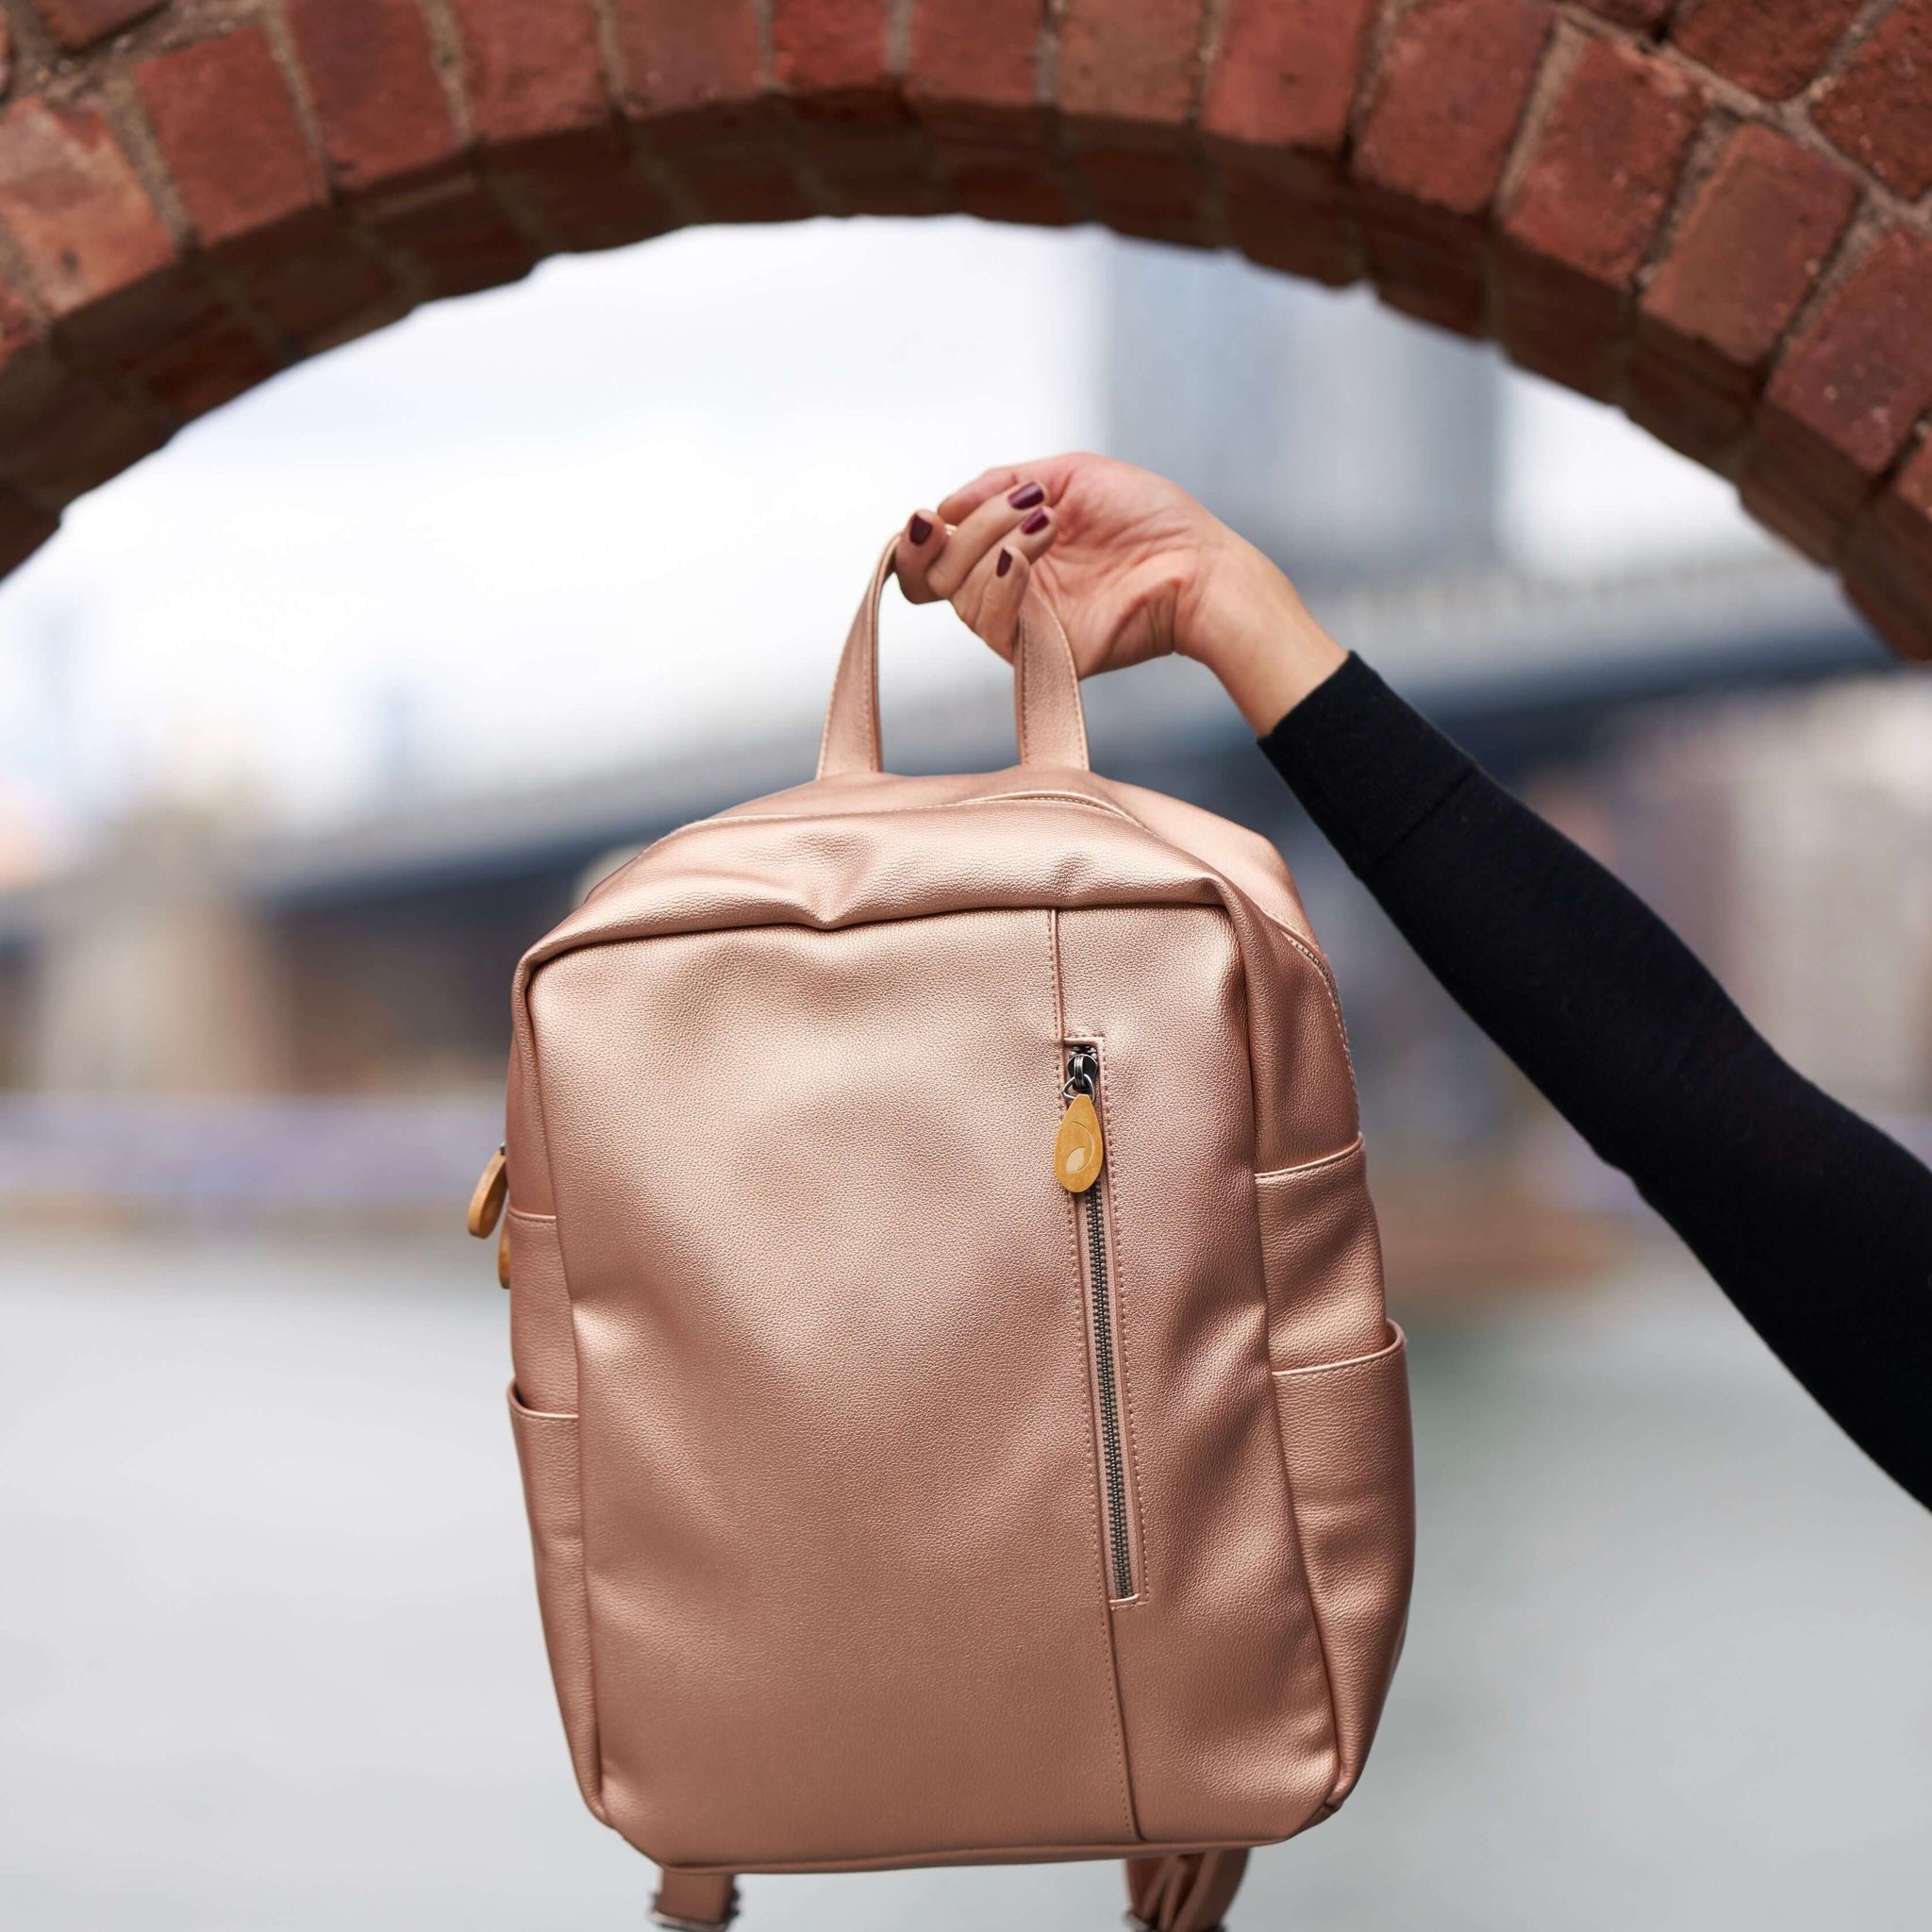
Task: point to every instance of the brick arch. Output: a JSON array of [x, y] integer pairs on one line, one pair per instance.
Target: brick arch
[[1711, 213]]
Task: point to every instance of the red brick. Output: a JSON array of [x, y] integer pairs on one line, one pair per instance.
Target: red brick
[[1159, 192], [24, 527], [1275, 115], [1130, 61], [72, 201], [186, 349], [457, 235], [538, 101], [60, 432], [585, 187], [980, 55], [855, 131], [733, 162], [869, 154], [693, 74], [1006, 184], [1126, 77], [1739, 267], [1585, 209], [1879, 109], [1751, 246], [373, 80], [830, 46], [531, 70], [1448, 99], [31, 376], [972, 82], [1594, 189], [1292, 212], [308, 278], [1646, 16], [228, 130], [78, 23], [1285, 73], [1901, 621], [1905, 509], [1846, 395], [1002, 167], [1443, 111], [1888, 558], [687, 54], [20, 332], [6, 55], [1772, 47]]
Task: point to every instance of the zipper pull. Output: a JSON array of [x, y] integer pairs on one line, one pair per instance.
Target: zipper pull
[[493, 1190], [1077, 1148]]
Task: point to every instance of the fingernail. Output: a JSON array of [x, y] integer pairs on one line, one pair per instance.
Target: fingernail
[[919, 530], [1027, 496], [1005, 564], [1034, 523]]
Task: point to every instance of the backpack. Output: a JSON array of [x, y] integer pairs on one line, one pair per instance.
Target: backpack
[[956, 1411]]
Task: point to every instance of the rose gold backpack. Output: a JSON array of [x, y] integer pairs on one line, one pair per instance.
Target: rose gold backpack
[[956, 1411]]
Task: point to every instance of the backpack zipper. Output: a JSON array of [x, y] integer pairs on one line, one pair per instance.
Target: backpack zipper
[[1079, 1154]]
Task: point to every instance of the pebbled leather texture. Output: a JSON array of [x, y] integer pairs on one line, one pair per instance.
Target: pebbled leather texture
[[816, 1479]]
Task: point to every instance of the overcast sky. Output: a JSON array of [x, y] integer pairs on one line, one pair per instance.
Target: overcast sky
[[613, 507]]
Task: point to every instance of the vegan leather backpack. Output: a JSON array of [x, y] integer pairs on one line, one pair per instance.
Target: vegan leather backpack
[[957, 1413]]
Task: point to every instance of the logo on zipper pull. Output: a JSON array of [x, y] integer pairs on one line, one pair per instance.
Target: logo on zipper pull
[[1077, 1148]]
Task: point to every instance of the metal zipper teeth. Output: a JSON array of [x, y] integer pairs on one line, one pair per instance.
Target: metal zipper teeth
[[1083, 1067], [1112, 1449]]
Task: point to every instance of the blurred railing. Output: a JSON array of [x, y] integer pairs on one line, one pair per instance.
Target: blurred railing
[[219, 1158]]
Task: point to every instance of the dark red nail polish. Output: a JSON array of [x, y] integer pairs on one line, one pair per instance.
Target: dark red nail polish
[[919, 530], [1034, 523], [1027, 496], [1005, 564]]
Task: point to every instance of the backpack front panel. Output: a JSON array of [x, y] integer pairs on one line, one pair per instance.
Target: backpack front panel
[[844, 1569], [849, 1534]]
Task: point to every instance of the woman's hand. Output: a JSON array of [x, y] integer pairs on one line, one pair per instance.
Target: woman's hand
[[1132, 566]]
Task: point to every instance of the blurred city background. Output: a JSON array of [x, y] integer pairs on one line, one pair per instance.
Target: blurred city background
[[310, 724]]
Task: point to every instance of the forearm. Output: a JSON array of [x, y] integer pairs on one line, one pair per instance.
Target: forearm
[[1817, 1226]]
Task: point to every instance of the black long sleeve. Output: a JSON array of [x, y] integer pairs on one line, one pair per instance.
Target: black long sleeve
[[1817, 1226]]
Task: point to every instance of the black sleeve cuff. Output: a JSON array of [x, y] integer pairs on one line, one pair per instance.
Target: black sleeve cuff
[[1367, 769]]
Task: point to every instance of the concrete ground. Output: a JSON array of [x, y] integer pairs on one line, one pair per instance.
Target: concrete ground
[[268, 1655]]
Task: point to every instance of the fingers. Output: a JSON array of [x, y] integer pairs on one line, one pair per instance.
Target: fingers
[[1022, 513], [997, 591], [990, 597], [1050, 472], [919, 544]]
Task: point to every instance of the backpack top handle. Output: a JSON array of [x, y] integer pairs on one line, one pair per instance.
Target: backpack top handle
[[1046, 688]]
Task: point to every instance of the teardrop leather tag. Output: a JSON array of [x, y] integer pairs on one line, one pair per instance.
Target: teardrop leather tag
[[486, 1204], [1077, 1151]]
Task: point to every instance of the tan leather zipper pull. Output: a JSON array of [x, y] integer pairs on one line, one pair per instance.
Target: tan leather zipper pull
[[503, 1256], [493, 1190], [1077, 1151], [1077, 1148]]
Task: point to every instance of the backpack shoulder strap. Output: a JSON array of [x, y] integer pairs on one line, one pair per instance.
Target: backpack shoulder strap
[[694, 1901], [1185, 1892]]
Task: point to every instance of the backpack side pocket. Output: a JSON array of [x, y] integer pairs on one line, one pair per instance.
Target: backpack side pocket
[[1351, 1468], [547, 1451]]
